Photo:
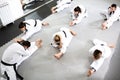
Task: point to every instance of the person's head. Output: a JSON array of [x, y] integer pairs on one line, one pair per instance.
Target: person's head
[[97, 54], [22, 26], [26, 44], [113, 7], [57, 38], [77, 10]]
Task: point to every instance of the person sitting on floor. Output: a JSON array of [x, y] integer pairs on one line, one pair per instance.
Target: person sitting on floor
[[61, 40], [61, 4], [30, 27], [112, 15], [78, 14], [14, 55], [100, 52]]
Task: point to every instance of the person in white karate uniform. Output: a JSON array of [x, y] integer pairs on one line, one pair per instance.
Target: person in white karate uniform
[[61, 40], [24, 3], [30, 27], [100, 52], [14, 55], [78, 13], [61, 4], [112, 15]]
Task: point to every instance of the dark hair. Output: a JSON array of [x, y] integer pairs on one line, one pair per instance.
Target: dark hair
[[22, 24], [114, 5], [97, 54], [26, 43], [57, 38], [77, 9]]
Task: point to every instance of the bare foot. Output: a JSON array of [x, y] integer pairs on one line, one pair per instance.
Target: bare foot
[[38, 43], [104, 28], [111, 45], [71, 24], [73, 33], [53, 10], [45, 24]]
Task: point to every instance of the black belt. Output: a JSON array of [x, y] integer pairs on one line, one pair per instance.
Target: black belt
[[35, 23], [14, 67], [7, 64], [65, 34]]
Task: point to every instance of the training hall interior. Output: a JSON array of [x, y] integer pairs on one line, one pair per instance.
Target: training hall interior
[[74, 64]]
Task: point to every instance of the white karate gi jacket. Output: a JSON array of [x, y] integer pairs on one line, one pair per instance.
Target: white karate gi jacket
[[31, 29], [16, 53], [114, 17], [106, 52], [64, 39], [80, 15], [62, 4]]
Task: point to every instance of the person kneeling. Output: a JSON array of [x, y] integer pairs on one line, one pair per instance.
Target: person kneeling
[[61, 40]]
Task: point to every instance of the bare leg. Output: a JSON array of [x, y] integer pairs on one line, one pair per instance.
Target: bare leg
[[18, 39]]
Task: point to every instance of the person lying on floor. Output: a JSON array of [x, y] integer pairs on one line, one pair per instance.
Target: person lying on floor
[[14, 55], [30, 27], [61, 40], [100, 52]]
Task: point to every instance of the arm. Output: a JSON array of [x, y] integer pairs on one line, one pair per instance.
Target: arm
[[27, 35], [23, 52], [114, 16], [96, 64], [34, 46]]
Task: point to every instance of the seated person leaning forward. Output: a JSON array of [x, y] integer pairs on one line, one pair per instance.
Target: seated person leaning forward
[[112, 15], [61, 40], [78, 13], [61, 4], [100, 52], [14, 55], [29, 28]]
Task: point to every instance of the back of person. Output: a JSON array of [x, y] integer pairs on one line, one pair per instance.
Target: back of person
[[12, 53]]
